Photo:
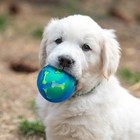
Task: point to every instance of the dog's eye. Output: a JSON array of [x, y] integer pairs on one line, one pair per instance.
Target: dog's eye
[[86, 47], [58, 41]]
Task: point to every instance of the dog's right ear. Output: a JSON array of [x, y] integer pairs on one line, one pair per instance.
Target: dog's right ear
[[43, 52], [43, 47]]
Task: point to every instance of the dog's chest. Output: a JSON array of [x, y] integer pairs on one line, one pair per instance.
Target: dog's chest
[[76, 123]]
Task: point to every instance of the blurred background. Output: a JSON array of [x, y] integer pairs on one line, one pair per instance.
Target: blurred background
[[21, 27]]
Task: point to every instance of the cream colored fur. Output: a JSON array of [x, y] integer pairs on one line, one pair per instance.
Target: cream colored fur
[[109, 112]]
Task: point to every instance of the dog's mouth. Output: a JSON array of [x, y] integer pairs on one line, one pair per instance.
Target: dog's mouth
[[76, 83], [68, 71], [65, 69]]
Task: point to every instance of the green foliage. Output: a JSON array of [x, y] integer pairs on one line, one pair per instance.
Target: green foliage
[[129, 76], [71, 7], [3, 22], [33, 106], [65, 8], [37, 33], [30, 128]]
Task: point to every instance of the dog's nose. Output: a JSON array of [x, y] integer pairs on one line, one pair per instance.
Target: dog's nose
[[65, 61]]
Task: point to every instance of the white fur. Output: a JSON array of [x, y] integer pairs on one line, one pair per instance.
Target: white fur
[[110, 112]]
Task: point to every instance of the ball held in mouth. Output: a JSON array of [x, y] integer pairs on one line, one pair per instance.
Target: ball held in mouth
[[55, 85]]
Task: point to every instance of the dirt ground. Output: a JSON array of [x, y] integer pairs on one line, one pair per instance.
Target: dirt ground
[[18, 46]]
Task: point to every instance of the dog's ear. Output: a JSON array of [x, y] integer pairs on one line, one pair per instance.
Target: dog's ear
[[42, 52], [43, 47], [110, 55]]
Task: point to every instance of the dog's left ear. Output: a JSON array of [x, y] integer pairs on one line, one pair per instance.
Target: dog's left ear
[[110, 54]]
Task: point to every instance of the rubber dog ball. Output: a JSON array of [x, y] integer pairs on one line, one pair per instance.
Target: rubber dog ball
[[55, 85]]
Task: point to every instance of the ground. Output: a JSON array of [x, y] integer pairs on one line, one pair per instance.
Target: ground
[[20, 36]]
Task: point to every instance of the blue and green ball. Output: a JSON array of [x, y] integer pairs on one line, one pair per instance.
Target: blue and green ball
[[55, 85]]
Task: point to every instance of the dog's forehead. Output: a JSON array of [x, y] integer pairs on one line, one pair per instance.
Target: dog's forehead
[[73, 26], [79, 22]]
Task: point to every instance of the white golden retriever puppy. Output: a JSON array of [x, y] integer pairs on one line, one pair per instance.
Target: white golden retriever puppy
[[100, 108]]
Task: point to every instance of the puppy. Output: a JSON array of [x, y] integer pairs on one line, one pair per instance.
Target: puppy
[[100, 108]]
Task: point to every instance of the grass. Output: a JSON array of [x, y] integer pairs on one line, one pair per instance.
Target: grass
[[3, 22], [129, 76], [30, 128], [33, 106], [37, 33]]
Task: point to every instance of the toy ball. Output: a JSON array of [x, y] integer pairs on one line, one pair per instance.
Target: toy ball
[[55, 85]]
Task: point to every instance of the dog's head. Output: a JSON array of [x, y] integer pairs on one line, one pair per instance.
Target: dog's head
[[78, 45]]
